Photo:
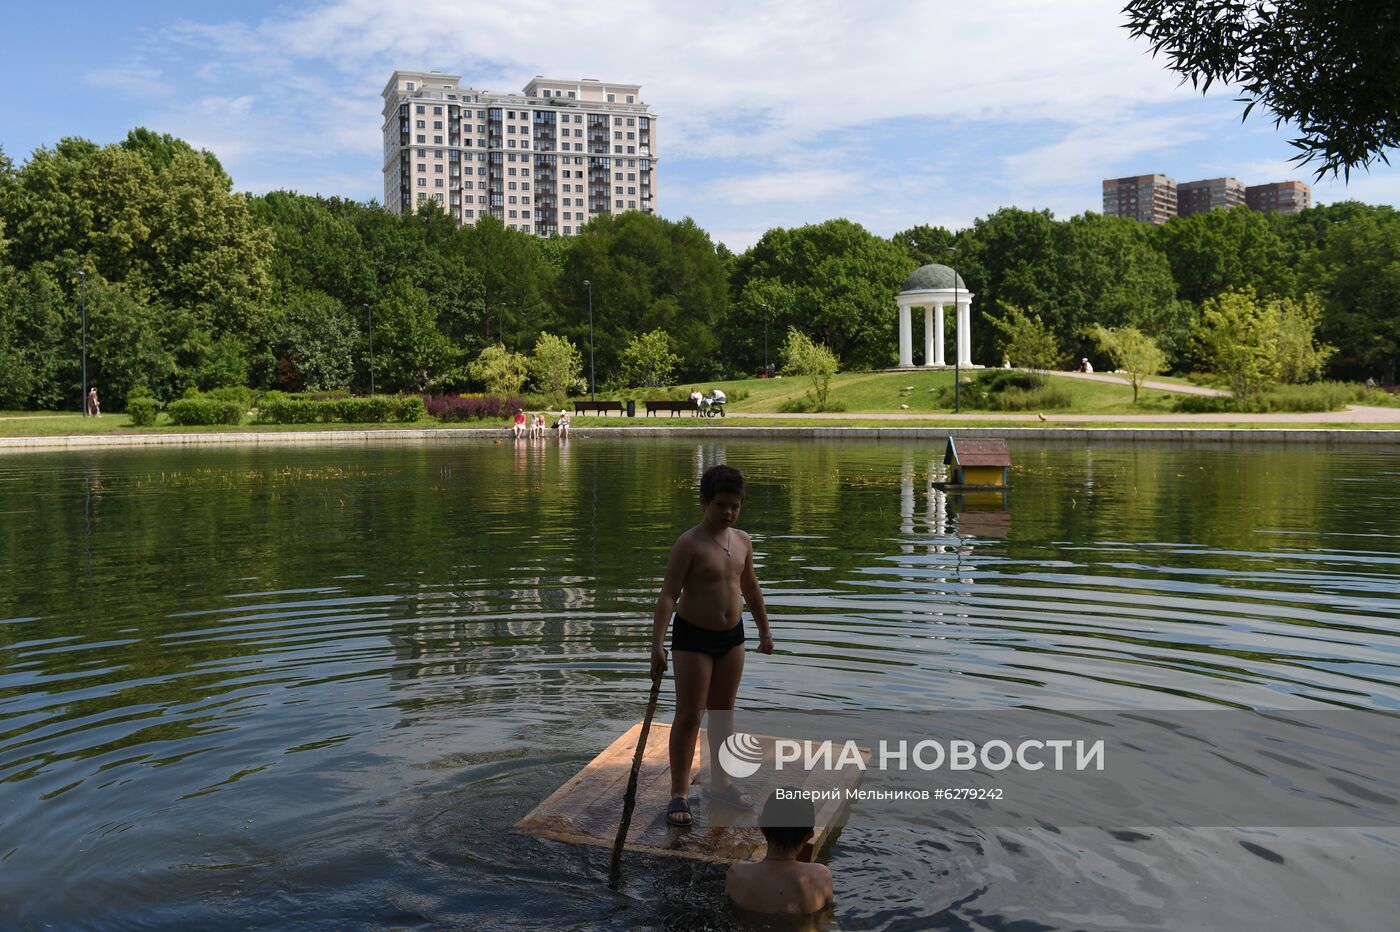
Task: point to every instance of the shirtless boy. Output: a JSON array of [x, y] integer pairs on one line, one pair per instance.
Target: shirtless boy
[[780, 883], [709, 577]]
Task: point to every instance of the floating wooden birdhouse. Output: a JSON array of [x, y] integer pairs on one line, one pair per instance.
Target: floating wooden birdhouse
[[984, 464]]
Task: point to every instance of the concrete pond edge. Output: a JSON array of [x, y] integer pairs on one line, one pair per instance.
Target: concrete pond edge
[[1363, 438]]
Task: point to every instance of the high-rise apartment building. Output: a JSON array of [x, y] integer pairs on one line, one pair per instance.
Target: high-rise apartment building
[[1195, 197], [1286, 197], [1149, 198], [544, 161]]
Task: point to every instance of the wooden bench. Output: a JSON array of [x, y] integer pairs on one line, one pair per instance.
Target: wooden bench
[[675, 407], [598, 407]]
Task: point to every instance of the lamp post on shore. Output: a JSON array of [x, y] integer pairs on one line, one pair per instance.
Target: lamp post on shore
[[370, 309], [82, 303], [592, 384], [957, 346], [765, 340]]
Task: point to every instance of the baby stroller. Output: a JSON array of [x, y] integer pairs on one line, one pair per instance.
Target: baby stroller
[[712, 405]]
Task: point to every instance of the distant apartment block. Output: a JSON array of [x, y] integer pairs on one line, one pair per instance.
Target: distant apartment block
[[1149, 198], [1157, 198], [545, 161], [1286, 197], [1195, 197]]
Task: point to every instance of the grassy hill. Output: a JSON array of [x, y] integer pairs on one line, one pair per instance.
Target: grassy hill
[[884, 392]]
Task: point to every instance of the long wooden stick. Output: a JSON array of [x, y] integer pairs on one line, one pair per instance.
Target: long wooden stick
[[629, 801]]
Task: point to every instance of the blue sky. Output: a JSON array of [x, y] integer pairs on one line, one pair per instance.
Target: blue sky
[[769, 113]]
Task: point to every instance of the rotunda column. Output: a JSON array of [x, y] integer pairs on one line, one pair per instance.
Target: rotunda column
[[938, 335], [906, 339], [965, 333]]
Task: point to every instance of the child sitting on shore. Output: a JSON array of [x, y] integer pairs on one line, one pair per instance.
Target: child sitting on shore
[[780, 883]]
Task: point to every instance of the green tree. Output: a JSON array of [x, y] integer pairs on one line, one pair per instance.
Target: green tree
[[125, 344], [500, 370], [315, 345], [647, 361], [1358, 270], [411, 353], [1132, 351], [1295, 322], [803, 357], [556, 367], [646, 274], [1327, 67], [1218, 250], [1237, 339], [38, 341], [1027, 341], [836, 279], [517, 272]]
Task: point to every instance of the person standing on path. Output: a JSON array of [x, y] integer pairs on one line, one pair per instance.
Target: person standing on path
[[93, 408]]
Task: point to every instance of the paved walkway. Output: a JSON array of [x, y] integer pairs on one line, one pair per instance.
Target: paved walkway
[[1354, 414], [1156, 384]]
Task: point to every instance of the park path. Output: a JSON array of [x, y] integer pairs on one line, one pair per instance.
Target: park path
[[1155, 384], [1353, 414]]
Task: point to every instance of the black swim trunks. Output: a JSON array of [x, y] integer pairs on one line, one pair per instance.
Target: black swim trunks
[[686, 636]]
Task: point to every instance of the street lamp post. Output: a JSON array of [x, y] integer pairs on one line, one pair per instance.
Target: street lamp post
[[592, 383], [370, 309], [765, 340], [82, 303], [957, 346]]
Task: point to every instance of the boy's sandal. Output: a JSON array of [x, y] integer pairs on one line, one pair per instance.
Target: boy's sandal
[[678, 807], [731, 795]]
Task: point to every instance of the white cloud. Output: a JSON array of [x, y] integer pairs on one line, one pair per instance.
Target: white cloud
[[1099, 150], [134, 77], [802, 187], [805, 102]]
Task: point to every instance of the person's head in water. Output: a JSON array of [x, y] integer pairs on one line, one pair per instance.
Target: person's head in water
[[787, 823]]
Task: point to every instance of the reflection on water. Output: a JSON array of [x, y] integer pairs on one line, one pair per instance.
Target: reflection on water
[[257, 687]]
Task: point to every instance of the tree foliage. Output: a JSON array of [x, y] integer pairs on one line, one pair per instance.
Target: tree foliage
[[501, 371], [190, 286], [1027, 341], [1237, 338], [1132, 352], [646, 274], [1326, 67], [804, 357], [834, 280], [647, 361], [556, 366]]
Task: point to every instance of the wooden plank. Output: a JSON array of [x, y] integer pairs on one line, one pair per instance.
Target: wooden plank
[[587, 807]]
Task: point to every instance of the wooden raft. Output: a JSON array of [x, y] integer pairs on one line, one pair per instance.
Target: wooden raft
[[588, 807]]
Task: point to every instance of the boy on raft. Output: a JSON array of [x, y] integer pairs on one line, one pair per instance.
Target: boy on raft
[[709, 577]]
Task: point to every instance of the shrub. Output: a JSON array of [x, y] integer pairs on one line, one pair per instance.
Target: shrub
[[410, 409], [1318, 396], [1204, 404], [1035, 399], [1008, 390], [200, 411], [284, 409], [278, 408], [236, 393], [808, 403], [471, 407], [142, 411]]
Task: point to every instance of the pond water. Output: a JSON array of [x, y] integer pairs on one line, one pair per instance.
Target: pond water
[[255, 687]]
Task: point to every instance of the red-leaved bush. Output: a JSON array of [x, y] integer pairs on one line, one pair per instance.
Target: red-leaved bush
[[458, 408]]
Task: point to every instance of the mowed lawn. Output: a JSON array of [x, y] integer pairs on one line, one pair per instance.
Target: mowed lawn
[[885, 392]]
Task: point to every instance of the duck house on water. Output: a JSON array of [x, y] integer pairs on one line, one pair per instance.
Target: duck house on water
[[976, 464]]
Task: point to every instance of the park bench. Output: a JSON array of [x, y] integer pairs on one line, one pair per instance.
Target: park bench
[[675, 407], [597, 407]]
